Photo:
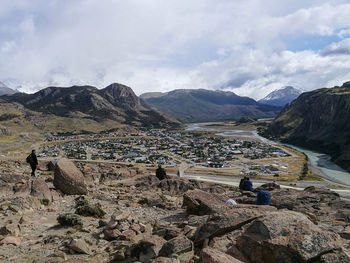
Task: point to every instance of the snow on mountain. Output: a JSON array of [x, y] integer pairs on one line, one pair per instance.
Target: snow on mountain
[[281, 96]]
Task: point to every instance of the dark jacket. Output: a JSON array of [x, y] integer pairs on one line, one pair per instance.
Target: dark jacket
[[33, 161], [160, 173], [241, 183], [248, 186]]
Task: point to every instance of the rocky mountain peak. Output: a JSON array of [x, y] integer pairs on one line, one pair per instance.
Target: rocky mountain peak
[[120, 94]]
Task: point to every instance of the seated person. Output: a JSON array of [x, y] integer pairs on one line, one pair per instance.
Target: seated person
[[263, 198]]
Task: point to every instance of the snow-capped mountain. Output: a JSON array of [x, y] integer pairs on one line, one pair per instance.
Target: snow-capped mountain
[[281, 96], [5, 90]]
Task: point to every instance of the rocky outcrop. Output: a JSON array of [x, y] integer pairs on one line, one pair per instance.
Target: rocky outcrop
[[40, 189], [69, 179], [198, 202], [176, 185], [286, 236], [209, 255], [182, 246], [230, 220], [108, 108]]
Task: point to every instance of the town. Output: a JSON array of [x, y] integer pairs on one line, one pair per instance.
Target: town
[[153, 147]]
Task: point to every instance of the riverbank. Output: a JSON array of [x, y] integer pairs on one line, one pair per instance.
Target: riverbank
[[319, 164]]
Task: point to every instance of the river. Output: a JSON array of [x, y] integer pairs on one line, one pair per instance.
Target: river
[[319, 162]]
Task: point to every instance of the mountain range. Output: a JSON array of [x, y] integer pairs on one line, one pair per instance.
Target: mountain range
[[281, 97], [199, 105], [5, 90], [80, 109], [318, 120]]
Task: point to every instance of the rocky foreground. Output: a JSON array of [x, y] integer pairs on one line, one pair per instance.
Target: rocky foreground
[[89, 212]]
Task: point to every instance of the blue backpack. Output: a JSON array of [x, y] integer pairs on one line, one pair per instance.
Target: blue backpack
[[263, 198]]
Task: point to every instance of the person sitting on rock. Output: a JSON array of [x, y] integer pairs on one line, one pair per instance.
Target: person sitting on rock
[[241, 183], [160, 173], [33, 162], [247, 185], [263, 198]]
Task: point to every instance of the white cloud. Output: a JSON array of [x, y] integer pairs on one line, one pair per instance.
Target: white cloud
[[157, 45]]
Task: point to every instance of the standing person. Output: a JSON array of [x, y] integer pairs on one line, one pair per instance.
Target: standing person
[[33, 161], [160, 173]]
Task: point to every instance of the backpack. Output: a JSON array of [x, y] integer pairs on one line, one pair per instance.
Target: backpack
[[263, 198], [29, 159]]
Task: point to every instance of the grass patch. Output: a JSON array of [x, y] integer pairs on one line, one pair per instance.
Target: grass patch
[[10, 138], [312, 177]]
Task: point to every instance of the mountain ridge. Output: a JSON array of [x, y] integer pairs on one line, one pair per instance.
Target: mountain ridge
[[113, 106], [317, 120], [196, 105]]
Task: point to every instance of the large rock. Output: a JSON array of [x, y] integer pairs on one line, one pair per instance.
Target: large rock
[[40, 189], [339, 256], [285, 236], [198, 202], [209, 255], [148, 248], [11, 240], [79, 246], [181, 246], [319, 203], [175, 185], [233, 218], [69, 179]]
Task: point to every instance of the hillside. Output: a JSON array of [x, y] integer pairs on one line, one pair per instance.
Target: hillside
[[5, 90], [78, 109], [196, 105], [281, 97], [319, 120]]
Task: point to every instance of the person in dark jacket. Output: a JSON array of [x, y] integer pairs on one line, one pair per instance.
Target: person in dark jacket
[[160, 173], [248, 185], [33, 162], [241, 183], [263, 198]]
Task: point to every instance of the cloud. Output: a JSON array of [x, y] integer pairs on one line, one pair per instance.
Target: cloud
[[339, 48], [156, 45]]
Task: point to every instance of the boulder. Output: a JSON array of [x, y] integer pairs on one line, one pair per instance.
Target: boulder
[[285, 236], [40, 189], [168, 232], [79, 246], [339, 256], [11, 240], [145, 181], [198, 202], [178, 245], [210, 255], [69, 179], [21, 187], [148, 248], [233, 218], [176, 185], [111, 234]]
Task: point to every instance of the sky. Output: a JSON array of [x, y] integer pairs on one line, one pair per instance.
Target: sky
[[250, 47]]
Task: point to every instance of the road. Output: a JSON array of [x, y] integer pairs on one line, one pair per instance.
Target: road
[[234, 181]]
